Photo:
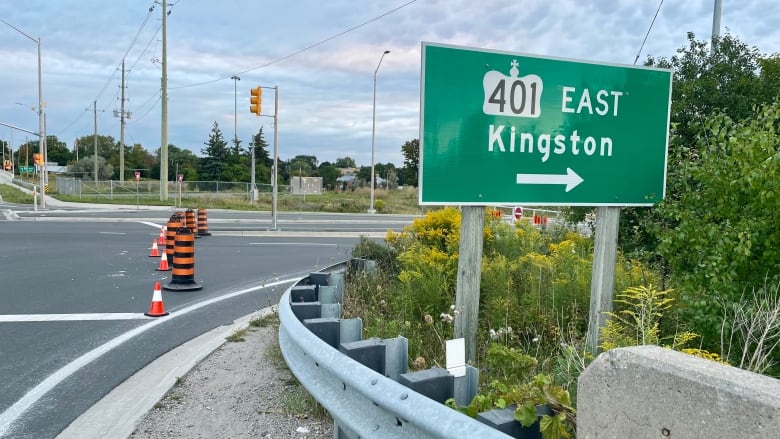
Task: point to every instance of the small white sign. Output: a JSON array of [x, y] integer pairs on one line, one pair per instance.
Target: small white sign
[[456, 357]]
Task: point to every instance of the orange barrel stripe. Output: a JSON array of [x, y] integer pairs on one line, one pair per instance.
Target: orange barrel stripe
[[189, 220], [174, 224], [184, 257], [203, 223], [183, 270]]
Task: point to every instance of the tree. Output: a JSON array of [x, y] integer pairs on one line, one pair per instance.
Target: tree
[[263, 161], [345, 162], [383, 171], [734, 81], [139, 159], [85, 168], [106, 147], [215, 155], [411, 152], [329, 174], [57, 151], [309, 159], [725, 240]]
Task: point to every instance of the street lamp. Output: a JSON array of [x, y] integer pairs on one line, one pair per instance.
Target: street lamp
[[373, 134], [235, 107], [41, 129]]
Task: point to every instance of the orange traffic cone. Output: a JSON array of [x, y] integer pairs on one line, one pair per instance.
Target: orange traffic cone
[[156, 309], [164, 263], [155, 253], [161, 239]]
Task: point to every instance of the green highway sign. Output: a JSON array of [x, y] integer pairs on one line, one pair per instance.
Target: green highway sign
[[26, 169], [505, 128]]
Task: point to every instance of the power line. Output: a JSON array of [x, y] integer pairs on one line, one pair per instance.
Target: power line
[[648, 32], [151, 40], [113, 75], [298, 52]]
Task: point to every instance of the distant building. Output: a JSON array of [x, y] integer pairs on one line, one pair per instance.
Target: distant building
[[305, 185]]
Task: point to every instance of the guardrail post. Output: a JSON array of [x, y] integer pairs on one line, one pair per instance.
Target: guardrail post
[[435, 383], [327, 329]]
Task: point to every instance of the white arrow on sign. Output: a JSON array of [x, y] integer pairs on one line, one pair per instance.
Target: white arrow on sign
[[570, 179]]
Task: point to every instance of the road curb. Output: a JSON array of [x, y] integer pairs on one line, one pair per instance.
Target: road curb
[[118, 413]]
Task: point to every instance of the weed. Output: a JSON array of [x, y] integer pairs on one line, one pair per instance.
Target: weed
[[237, 335], [271, 319]]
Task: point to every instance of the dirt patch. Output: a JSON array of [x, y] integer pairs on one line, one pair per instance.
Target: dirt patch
[[242, 390]]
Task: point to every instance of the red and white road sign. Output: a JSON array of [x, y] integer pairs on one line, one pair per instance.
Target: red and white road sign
[[518, 212], [137, 176]]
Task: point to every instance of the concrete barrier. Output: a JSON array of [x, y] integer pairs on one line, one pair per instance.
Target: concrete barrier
[[652, 392]]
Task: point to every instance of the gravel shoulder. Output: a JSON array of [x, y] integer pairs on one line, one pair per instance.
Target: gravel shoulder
[[242, 390]]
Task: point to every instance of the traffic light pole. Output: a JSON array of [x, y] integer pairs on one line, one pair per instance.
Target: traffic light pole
[[256, 107]]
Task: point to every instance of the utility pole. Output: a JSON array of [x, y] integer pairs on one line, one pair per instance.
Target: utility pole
[[715, 24], [94, 112], [164, 110], [122, 114]]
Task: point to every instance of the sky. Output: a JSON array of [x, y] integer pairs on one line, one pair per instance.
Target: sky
[[323, 56]]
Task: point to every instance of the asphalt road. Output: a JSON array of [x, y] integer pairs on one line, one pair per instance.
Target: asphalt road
[[93, 267]]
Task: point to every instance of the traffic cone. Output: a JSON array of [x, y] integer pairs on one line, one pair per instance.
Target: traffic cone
[[156, 309], [161, 239], [155, 253], [164, 263]]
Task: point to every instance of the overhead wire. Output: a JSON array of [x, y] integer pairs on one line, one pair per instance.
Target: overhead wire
[[113, 75], [298, 52], [648, 32]]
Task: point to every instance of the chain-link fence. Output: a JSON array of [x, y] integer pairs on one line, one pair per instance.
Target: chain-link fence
[[113, 190]]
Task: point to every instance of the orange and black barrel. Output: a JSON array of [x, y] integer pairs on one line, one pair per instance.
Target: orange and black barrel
[[203, 223], [174, 224], [183, 273], [189, 222]]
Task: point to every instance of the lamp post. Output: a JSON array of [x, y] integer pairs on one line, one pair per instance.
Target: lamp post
[[235, 107], [373, 133], [41, 129]]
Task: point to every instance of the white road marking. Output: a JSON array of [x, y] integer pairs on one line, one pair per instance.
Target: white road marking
[[10, 415], [11, 318], [113, 233], [303, 244]]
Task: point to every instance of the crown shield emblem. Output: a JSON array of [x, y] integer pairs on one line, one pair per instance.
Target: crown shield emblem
[[513, 95]]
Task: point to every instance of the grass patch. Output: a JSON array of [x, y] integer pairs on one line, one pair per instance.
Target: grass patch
[[237, 335], [297, 401], [274, 354], [395, 201], [11, 194], [268, 320]]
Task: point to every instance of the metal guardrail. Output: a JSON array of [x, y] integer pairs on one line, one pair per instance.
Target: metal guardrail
[[362, 402]]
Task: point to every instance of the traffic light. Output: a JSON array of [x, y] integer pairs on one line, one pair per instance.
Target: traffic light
[[256, 99]]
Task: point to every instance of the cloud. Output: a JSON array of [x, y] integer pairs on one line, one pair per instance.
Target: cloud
[[326, 92]]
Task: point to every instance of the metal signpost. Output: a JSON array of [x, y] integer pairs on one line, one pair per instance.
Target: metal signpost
[[137, 180], [180, 179], [507, 128]]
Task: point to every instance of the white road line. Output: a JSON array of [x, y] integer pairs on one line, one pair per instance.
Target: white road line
[[113, 233], [10, 415], [303, 244], [8, 318]]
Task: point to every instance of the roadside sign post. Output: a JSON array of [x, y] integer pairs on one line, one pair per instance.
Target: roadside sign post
[[180, 179], [506, 128], [518, 213], [137, 180]]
